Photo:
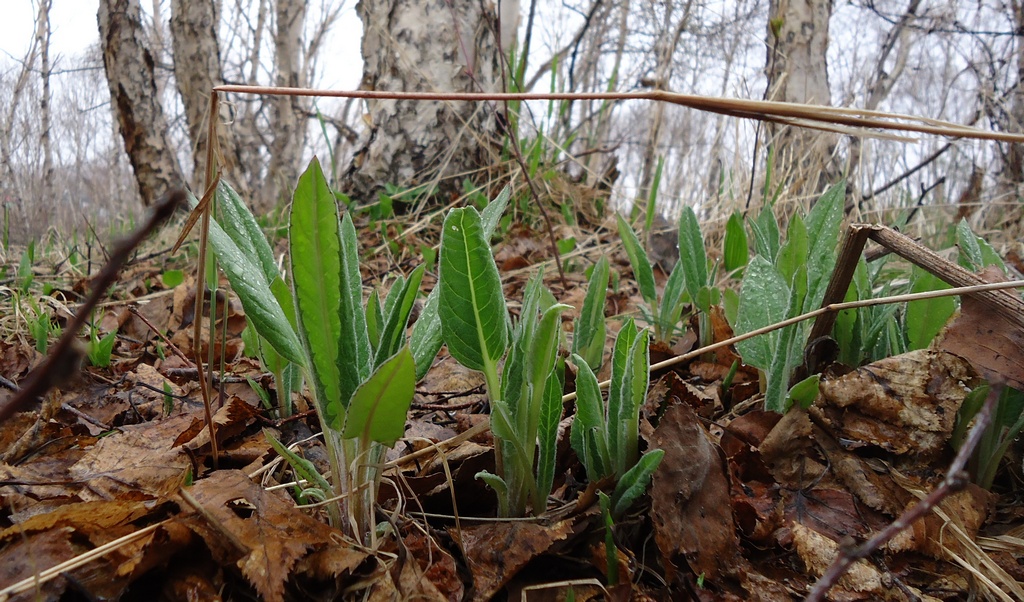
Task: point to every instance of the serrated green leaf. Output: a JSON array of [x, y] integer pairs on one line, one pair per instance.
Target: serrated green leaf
[[765, 230], [793, 254], [379, 406], [315, 266], [642, 270], [823, 222], [692, 254], [474, 319], [736, 253], [634, 482], [634, 390]]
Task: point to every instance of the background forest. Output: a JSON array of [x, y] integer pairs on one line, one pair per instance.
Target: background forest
[[63, 153]]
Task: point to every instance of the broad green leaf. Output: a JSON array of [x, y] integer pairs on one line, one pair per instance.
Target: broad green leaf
[[764, 300], [634, 482], [262, 309], [355, 359], [691, 252], [240, 224], [303, 468], [315, 267], [172, 278], [540, 360], [426, 340], [736, 252], [589, 329], [589, 434], [547, 435], [638, 259], [398, 315], [491, 215], [925, 318], [474, 319], [379, 406]]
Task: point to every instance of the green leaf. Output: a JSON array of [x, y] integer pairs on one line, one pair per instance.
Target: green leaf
[[240, 224], [262, 309], [975, 252], [926, 317], [589, 434], [379, 406], [764, 300], [426, 340], [823, 224], [589, 329], [765, 229], [101, 349], [618, 390], [172, 278], [736, 252], [634, 392], [634, 482], [793, 255], [474, 319], [547, 436], [302, 467], [355, 360], [638, 259], [691, 252], [398, 315], [491, 215], [498, 485], [672, 301], [315, 266], [804, 392], [374, 319]]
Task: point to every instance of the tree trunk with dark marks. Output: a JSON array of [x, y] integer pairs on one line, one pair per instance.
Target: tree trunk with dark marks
[[425, 45], [797, 72], [129, 69]]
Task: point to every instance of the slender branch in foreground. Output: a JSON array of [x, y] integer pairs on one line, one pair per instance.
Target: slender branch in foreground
[[764, 110]]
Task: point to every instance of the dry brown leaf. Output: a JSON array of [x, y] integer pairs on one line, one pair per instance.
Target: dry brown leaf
[[497, 551], [275, 533], [692, 519], [992, 342], [905, 404]]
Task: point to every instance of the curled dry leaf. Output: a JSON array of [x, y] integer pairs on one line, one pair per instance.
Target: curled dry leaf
[[905, 404]]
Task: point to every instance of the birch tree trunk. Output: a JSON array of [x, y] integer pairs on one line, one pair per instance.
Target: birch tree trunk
[[425, 45], [45, 140], [287, 111], [197, 69], [129, 69], [797, 72]]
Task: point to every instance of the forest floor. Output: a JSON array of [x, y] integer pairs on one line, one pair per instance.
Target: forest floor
[[108, 488]]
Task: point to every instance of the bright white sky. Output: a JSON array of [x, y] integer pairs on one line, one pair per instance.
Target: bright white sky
[[74, 28]]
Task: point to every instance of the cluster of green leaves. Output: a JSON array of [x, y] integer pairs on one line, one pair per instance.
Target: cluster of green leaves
[[360, 368], [690, 281], [526, 397], [784, 280], [605, 435]]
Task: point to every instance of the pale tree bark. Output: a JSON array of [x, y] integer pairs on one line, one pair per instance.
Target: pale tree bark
[[129, 67], [797, 72], [287, 111], [45, 140], [425, 45], [1013, 159], [197, 69]]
